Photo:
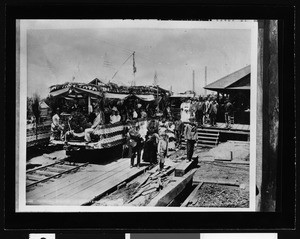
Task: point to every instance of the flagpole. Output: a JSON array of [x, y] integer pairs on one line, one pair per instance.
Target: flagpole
[[134, 68]]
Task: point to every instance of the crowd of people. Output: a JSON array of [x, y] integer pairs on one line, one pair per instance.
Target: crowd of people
[[155, 145], [205, 110], [156, 142]]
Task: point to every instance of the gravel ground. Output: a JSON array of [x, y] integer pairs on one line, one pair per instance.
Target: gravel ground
[[215, 195]]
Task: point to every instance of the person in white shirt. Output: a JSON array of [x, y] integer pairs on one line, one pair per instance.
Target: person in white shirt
[[115, 116], [185, 111], [56, 127], [134, 114], [96, 122]]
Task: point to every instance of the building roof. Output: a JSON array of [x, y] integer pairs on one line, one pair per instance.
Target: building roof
[[231, 81], [96, 81], [43, 105]]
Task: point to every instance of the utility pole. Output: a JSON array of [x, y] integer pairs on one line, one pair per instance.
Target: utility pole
[[155, 82], [205, 81], [134, 67], [193, 81]]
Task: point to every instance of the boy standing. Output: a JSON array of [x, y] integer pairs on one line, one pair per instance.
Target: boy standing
[[190, 134], [162, 150]]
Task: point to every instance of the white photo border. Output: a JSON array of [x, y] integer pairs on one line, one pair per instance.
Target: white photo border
[[21, 109]]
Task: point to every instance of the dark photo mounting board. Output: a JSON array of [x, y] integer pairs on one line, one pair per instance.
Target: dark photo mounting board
[[275, 131]]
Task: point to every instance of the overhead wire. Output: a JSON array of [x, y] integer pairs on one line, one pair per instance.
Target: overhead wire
[[122, 65]]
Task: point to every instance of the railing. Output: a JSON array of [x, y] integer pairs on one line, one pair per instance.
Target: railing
[[37, 133]]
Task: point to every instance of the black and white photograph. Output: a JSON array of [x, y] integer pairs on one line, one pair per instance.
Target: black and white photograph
[[136, 115]]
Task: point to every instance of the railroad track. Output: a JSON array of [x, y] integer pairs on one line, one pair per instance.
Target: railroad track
[[47, 172]]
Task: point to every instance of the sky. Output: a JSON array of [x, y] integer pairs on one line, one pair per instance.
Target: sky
[[79, 51]]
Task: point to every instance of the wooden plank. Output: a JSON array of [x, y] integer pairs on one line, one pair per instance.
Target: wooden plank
[[126, 177], [47, 178], [206, 141], [184, 167], [205, 145], [208, 135], [237, 162], [86, 196], [66, 181], [100, 187], [217, 181], [172, 190], [221, 125], [239, 127], [74, 188], [234, 132], [192, 195], [223, 159], [52, 194]]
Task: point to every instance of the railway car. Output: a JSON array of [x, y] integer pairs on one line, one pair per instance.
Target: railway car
[[105, 136]]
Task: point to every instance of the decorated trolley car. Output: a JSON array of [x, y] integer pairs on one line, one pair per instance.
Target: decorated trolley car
[[75, 99]]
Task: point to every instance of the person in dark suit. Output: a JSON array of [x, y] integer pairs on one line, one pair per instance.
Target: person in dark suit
[[135, 142]]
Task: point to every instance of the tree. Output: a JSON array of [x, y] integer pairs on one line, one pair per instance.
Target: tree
[[36, 107], [29, 107]]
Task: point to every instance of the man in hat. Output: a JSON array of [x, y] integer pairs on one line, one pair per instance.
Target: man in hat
[[135, 143], [213, 111], [200, 111], [150, 146], [228, 112], [190, 134]]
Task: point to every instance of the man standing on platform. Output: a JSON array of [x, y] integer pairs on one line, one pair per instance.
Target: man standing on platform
[[213, 111], [228, 113], [190, 134], [136, 143], [200, 111]]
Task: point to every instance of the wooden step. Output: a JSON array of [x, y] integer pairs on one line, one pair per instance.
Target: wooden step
[[208, 134], [184, 167], [209, 129], [207, 138], [205, 145], [207, 141]]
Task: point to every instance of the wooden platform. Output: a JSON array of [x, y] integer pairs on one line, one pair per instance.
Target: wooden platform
[[234, 127], [83, 186]]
